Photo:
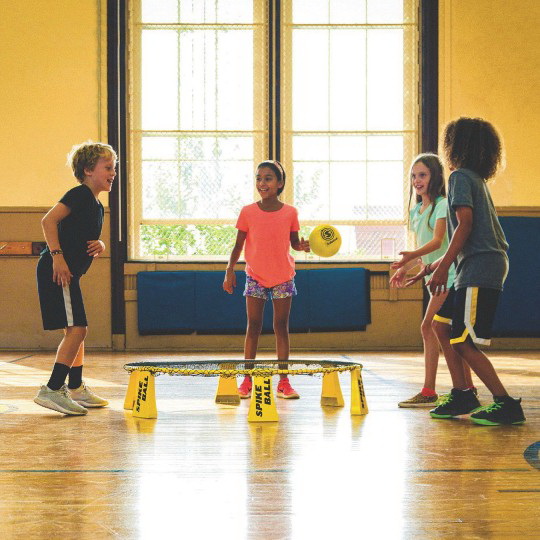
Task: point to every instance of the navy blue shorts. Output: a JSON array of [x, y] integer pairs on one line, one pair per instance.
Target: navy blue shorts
[[60, 306], [471, 312]]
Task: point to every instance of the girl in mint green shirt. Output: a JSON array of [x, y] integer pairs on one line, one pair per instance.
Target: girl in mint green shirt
[[427, 220]]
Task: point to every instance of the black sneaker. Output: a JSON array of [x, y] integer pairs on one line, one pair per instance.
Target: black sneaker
[[505, 410], [455, 403]]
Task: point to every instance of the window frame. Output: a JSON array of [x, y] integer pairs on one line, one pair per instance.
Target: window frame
[[117, 20]]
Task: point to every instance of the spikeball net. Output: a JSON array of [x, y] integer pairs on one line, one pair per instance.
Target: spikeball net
[[231, 368]]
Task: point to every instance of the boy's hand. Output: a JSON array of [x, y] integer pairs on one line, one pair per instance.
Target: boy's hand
[[303, 245], [61, 274], [437, 283], [229, 283], [95, 248]]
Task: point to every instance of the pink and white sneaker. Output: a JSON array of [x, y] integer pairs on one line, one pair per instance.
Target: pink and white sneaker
[[245, 388], [285, 390]]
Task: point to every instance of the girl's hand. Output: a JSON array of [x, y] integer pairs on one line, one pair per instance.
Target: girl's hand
[[406, 256], [229, 283], [61, 274], [437, 284], [397, 280], [418, 277], [95, 248], [303, 245]]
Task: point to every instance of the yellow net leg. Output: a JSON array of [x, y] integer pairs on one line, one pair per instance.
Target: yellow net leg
[[145, 401], [131, 393], [331, 395], [358, 396], [227, 391], [263, 402]]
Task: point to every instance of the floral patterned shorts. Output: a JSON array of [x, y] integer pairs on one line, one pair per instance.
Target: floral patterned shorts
[[283, 290]]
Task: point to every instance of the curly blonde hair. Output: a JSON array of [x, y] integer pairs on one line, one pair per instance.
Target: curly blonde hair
[[86, 155]]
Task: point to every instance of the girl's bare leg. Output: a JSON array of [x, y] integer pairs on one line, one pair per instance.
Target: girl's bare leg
[[282, 310], [431, 343], [254, 310]]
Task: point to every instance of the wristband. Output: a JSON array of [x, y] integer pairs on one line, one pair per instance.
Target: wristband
[[427, 269], [56, 252]]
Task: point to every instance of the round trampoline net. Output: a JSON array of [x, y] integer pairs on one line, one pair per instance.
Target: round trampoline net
[[256, 368]]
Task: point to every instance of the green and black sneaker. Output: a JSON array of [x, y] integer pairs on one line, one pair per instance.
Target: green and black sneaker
[[455, 403], [504, 410]]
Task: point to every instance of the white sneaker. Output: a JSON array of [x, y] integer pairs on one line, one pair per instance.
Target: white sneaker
[[58, 400], [84, 396]]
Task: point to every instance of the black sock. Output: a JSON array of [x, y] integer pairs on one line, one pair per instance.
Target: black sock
[[58, 376], [75, 377]]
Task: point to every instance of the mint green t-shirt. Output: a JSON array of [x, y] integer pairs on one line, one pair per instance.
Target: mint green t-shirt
[[424, 233]]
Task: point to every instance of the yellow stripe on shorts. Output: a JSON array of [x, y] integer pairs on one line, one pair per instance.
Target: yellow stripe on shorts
[[461, 338], [442, 319]]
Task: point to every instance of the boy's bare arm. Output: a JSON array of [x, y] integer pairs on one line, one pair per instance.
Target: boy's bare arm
[[61, 273], [462, 232]]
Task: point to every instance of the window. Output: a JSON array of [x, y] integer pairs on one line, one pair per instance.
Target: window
[[329, 87]]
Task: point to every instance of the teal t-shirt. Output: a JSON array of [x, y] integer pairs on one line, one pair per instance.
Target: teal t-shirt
[[424, 233]]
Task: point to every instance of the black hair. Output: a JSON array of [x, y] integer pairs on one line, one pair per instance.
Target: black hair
[[278, 169], [472, 143]]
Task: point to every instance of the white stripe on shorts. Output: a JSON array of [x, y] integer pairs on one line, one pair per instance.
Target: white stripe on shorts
[[471, 307], [67, 305]]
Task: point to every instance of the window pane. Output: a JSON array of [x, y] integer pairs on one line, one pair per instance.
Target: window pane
[[385, 190], [216, 80], [310, 80], [385, 79], [329, 11], [159, 100], [200, 111], [347, 79], [197, 12], [210, 178], [347, 191]]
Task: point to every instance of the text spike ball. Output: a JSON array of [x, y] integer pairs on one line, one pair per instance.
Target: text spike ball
[[325, 240]]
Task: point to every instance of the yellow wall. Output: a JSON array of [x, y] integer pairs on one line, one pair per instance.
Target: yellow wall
[[490, 67], [51, 94]]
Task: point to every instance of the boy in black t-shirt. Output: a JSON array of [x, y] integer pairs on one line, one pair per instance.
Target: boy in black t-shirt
[[72, 228]]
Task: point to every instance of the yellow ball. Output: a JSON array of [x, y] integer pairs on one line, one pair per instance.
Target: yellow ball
[[325, 240]]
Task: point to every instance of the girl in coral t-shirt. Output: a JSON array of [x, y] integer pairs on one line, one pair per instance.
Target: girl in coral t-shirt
[[268, 228]]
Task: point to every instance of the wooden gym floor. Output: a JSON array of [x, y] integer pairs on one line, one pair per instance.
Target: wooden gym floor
[[202, 471]]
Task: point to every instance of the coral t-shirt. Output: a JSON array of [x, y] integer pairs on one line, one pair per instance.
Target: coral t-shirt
[[268, 243]]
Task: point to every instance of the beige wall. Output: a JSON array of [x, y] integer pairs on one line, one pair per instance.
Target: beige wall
[[53, 94], [490, 67]]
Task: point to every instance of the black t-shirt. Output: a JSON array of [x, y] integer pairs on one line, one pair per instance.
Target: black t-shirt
[[83, 223]]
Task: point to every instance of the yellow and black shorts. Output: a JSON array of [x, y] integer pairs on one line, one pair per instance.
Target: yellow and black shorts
[[471, 312]]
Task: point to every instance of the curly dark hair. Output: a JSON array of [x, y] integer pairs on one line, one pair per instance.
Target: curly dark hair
[[472, 143]]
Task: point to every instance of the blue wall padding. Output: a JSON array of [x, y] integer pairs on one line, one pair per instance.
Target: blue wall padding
[[339, 299], [166, 302], [183, 302], [518, 312], [216, 311]]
